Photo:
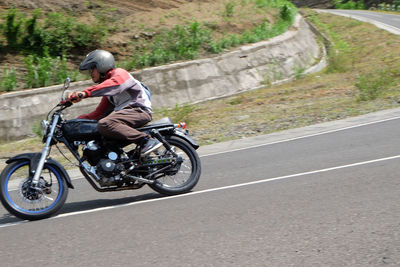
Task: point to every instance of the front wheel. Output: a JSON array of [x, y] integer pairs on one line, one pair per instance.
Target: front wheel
[[29, 202], [185, 174]]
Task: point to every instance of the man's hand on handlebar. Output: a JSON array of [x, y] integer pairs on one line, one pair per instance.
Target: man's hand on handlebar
[[77, 96]]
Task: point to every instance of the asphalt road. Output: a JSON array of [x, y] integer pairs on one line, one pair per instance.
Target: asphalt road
[[388, 22], [324, 195]]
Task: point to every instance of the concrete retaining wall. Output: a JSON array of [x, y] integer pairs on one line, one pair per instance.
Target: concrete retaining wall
[[246, 68]]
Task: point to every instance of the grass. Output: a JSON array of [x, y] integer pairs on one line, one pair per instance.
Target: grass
[[362, 77], [185, 42], [365, 78], [341, 4], [46, 39], [9, 80], [56, 32]]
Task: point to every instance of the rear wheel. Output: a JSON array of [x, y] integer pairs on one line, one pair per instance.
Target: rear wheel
[[27, 202], [184, 174]]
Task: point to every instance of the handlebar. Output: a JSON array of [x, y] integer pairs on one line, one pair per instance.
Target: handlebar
[[69, 101]]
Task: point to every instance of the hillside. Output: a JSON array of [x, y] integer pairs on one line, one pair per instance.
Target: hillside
[[124, 6], [349, 86], [136, 32], [134, 20]]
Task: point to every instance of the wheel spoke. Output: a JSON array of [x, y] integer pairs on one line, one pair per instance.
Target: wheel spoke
[[49, 198], [24, 198], [183, 173]]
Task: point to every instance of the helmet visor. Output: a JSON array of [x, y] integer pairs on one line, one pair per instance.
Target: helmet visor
[[87, 72]]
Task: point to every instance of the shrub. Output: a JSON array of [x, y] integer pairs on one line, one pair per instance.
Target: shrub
[[46, 70], [182, 42], [179, 113], [37, 129], [58, 32], [12, 28], [186, 42], [229, 9], [33, 34], [9, 80], [343, 4], [372, 85], [286, 12]]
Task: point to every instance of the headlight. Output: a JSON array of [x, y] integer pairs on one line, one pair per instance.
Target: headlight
[[45, 126]]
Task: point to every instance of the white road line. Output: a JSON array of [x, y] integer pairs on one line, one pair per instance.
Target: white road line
[[303, 136], [386, 27], [286, 140], [373, 15], [215, 189]]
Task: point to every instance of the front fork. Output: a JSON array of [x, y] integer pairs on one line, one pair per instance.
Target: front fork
[[45, 151]]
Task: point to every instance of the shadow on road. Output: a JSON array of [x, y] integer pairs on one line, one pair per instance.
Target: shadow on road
[[101, 203], [7, 218]]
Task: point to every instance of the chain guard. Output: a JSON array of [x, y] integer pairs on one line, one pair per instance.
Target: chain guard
[[156, 164]]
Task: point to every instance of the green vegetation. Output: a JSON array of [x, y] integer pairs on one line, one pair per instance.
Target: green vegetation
[[46, 40], [339, 54], [353, 87], [258, 33], [178, 113], [9, 80], [37, 129], [47, 70], [346, 4], [182, 42], [342, 58], [188, 41], [372, 85], [363, 76], [54, 33], [229, 9]]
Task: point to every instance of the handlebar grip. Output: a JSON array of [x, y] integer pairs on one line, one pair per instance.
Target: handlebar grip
[[68, 101], [65, 103]]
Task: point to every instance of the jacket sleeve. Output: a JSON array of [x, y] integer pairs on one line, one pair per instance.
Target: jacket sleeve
[[100, 111], [119, 81]]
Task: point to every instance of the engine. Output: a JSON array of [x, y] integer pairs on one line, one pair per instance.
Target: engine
[[106, 166], [93, 153], [106, 163]]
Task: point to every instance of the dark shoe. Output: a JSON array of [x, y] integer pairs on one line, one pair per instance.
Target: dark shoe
[[151, 145]]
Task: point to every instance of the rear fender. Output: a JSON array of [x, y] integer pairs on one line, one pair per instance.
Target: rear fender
[[34, 159], [185, 136], [165, 127], [168, 131]]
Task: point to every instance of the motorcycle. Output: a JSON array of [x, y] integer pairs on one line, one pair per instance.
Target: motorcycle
[[34, 186]]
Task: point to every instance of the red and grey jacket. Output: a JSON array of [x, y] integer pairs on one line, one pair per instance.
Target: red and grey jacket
[[119, 90]]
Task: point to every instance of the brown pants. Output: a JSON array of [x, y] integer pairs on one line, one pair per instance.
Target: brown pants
[[120, 125]]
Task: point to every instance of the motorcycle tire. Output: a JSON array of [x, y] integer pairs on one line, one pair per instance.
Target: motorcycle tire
[[186, 175], [28, 203]]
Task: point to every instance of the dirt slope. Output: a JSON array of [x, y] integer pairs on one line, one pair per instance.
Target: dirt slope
[[135, 23], [136, 20], [124, 6]]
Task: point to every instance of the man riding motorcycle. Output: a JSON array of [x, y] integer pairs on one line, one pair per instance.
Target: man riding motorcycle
[[124, 106]]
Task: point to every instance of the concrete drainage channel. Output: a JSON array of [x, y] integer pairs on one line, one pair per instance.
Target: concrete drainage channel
[[250, 67]]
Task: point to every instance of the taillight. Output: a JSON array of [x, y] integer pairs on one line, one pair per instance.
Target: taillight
[[182, 125]]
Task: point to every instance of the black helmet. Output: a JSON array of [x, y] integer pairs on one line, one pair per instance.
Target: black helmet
[[101, 59]]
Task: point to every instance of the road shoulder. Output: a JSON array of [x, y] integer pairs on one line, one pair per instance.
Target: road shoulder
[[298, 133]]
